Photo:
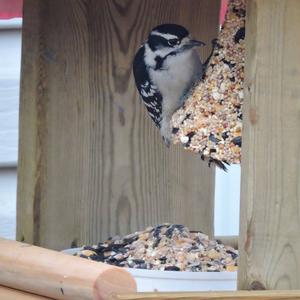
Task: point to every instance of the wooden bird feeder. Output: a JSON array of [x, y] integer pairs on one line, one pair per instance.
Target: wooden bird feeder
[[91, 164]]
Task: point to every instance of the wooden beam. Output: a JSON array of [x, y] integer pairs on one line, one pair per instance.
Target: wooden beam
[[236, 295], [59, 276], [91, 163], [7, 293], [270, 195]]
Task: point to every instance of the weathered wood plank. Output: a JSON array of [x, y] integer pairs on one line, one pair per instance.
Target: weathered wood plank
[[269, 239], [28, 222], [91, 162], [237, 295]]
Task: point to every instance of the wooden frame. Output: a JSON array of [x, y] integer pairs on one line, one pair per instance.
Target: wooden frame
[[236, 295], [270, 199], [269, 224], [12, 294]]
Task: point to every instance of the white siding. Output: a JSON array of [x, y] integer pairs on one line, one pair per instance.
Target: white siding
[[227, 201], [10, 55], [8, 185]]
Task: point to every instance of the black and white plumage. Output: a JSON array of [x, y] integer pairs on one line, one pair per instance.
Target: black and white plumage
[[148, 90], [165, 68]]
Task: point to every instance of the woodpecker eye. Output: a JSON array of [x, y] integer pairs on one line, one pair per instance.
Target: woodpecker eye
[[174, 42]]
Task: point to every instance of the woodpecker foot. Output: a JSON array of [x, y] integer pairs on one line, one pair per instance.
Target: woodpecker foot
[[166, 141]]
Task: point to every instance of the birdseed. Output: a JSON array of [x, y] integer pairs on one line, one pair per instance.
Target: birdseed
[[210, 121], [166, 247]]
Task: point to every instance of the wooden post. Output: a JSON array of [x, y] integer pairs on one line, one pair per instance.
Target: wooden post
[[270, 196], [91, 163]]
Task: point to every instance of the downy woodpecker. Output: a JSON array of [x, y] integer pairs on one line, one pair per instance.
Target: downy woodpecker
[[165, 68]]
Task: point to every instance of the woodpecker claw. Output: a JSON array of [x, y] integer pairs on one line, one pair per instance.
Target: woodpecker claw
[[166, 141]]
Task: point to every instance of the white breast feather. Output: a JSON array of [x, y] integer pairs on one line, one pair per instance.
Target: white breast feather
[[177, 74]]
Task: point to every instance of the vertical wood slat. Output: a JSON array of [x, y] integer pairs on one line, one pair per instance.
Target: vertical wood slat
[[270, 195], [91, 163]]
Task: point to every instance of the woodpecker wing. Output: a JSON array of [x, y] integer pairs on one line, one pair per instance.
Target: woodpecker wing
[[151, 96]]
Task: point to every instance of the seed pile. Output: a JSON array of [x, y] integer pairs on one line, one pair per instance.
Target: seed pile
[[166, 247], [210, 122]]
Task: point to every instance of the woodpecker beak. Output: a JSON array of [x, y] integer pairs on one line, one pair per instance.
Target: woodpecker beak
[[189, 45], [194, 43]]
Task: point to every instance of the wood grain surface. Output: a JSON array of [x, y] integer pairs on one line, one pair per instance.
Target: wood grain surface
[[237, 295], [92, 164], [7, 293], [58, 275], [270, 195]]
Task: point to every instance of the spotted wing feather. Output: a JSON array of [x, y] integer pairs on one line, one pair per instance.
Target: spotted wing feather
[[151, 96]]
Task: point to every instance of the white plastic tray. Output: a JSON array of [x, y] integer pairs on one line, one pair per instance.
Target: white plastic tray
[[174, 281]]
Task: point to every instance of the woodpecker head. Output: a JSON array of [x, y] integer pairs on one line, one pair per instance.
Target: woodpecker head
[[170, 39]]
